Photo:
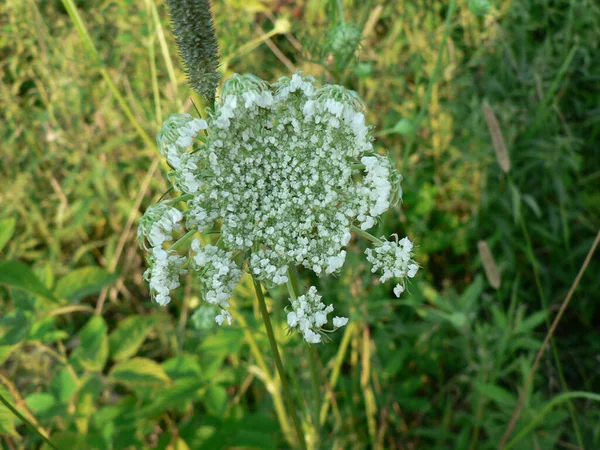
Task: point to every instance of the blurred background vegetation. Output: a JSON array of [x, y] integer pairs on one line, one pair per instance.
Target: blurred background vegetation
[[91, 362]]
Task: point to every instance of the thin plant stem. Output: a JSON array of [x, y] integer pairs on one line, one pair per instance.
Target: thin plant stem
[[529, 380], [366, 235], [432, 82], [271, 384], [13, 410], [278, 363], [555, 353], [340, 7], [292, 285]]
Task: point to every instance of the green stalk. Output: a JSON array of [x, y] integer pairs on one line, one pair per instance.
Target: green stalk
[[13, 410], [366, 235], [87, 40], [432, 82], [270, 383], [292, 285], [555, 354], [278, 363]]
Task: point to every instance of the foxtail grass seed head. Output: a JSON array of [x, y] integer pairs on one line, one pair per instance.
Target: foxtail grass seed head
[[284, 173], [193, 28], [497, 139], [490, 267]]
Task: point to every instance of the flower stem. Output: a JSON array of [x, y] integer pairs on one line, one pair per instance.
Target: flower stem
[[292, 285], [278, 364], [366, 235], [182, 240]]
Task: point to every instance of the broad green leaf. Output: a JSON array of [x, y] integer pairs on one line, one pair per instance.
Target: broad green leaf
[[18, 275], [14, 327], [63, 385], [131, 332], [85, 403], [182, 366], [40, 403], [216, 400], [92, 352], [7, 229], [495, 393], [216, 347], [139, 372], [83, 282], [178, 397]]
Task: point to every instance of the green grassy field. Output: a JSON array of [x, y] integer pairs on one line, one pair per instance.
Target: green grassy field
[[493, 121]]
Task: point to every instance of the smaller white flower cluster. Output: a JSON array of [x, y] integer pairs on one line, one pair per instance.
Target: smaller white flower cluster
[[157, 226], [218, 275], [176, 135], [309, 314], [163, 275], [263, 269], [394, 260]]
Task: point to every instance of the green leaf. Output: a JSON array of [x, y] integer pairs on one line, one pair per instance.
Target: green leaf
[[7, 229], [92, 352], [126, 339], [83, 282], [7, 418], [63, 385], [18, 275], [532, 322], [14, 327], [495, 393], [40, 403], [216, 400], [139, 372]]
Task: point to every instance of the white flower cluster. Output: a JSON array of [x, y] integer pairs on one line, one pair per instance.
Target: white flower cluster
[[309, 314], [176, 135], [287, 169], [156, 227], [218, 275], [394, 260], [284, 172], [163, 275]]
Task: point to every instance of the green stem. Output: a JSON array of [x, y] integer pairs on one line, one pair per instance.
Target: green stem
[[278, 363], [13, 410], [183, 240], [181, 198], [432, 82], [83, 33], [270, 383], [366, 235], [292, 285], [555, 354]]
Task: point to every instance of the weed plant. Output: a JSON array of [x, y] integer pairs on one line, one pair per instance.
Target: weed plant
[[88, 361]]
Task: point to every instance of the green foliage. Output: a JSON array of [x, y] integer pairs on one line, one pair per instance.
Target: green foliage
[[441, 367]]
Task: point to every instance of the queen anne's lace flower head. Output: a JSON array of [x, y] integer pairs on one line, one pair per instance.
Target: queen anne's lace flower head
[[284, 172], [394, 260], [309, 314]]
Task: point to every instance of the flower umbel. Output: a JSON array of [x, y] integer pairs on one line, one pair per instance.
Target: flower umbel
[[284, 173]]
